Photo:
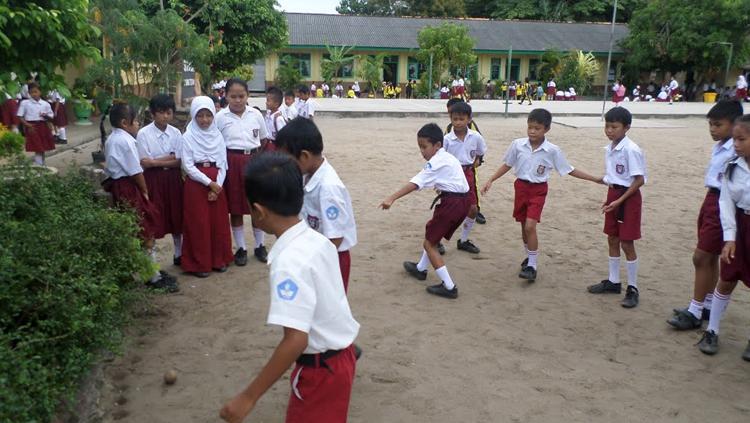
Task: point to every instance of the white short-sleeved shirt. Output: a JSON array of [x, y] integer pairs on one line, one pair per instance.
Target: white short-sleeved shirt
[[467, 150], [306, 108], [735, 193], [55, 97], [673, 84], [307, 293], [242, 132], [274, 123], [121, 155], [551, 84], [461, 82], [34, 110], [153, 143], [721, 154], [443, 172], [289, 112], [535, 166], [327, 207], [623, 163]]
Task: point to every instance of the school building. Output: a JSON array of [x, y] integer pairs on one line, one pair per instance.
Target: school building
[[397, 37]]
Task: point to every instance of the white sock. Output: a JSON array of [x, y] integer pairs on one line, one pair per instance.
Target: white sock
[[614, 269], [152, 255], [239, 236], [445, 277], [259, 237], [423, 262], [708, 301], [39, 159], [468, 225], [632, 268], [695, 308], [61, 133], [532, 258], [720, 303], [177, 239], [526, 249]]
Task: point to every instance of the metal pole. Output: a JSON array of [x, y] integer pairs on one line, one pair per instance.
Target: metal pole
[[729, 63], [507, 78], [429, 95], [609, 58]]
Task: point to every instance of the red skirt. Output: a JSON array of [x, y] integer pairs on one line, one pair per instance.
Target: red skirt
[[165, 188], [39, 137], [61, 118], [345, 264], [739, 268], [126, 193], [207, 242], [551, 91], [8, 110], [234, 185], [447, 217], [741, 94]]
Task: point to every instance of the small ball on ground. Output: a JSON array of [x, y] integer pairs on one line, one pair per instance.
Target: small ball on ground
[[170, 377]]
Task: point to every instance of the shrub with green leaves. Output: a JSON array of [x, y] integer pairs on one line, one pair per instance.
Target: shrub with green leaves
[[68, 269]]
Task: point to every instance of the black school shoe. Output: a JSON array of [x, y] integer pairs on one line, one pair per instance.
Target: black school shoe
[[631, 297], [261, 254], [709, 343], [705, 314], [605, 287], [201, 275], [481, 219], [167, 284], [441, 291], [524, 263], [177, 260], [684, 320], [528, 273], [221, 269], [441, 248], [411, 268], [240, 257], [467, 246]]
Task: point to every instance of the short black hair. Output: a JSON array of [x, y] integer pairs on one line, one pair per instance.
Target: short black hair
[[274, 181], [289, 93], [542, 116], [31, 85], [298, 135], [725, 109], [236, 81], [214, 99], [619, 114], [120, 111], [744, 121], [431, 132], [303, 89], [453, 101], [161, 103], [460, 108], [275, 94]]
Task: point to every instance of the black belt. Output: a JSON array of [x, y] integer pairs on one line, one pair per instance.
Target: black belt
[[712, 190], [446, 194], [248, 152], [468, 166], [317, 360], [620, 187], [205, 164], [531, 183]]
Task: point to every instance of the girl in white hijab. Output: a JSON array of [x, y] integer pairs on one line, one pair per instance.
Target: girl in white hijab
[[207, 244], [741, 88]]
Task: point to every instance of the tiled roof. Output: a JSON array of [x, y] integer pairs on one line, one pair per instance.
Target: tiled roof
[[315, 30]]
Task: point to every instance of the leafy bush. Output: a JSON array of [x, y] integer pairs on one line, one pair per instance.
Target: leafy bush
[[11, 143], [68, 266], [288, 75], [578, 71]]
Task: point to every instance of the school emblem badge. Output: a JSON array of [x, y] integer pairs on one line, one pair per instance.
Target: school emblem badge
[[332, 213], [472, 154], [256, 131], [313, 221], [540, 170], [428, 166], [620, 169], [287, 290], [720, 176]]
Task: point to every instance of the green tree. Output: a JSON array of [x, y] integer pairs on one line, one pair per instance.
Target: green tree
[[550, 63], [450, 46], [370, 70], [42, 36], [430, 8], [338, 57], [553, 10], [685, 34], [578, 70], [288, 74]]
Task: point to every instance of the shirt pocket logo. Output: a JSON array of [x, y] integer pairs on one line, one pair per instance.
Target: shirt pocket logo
[[620, 169], [313, 221], [332, 213], [256, 131], [541, 169], [287, 290]]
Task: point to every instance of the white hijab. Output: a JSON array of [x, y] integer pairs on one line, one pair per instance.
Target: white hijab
[[741, 82], [203, 143]]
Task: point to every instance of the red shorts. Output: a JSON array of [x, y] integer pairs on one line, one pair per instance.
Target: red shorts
[[739, 268], [529, 200], [126, 193], [345, 264], [39, 138], [165, 190], [472, 181], [234, 185], [320, 394], [710, 234], [624, 223], [447, 217], [741, 94], [551, 91]]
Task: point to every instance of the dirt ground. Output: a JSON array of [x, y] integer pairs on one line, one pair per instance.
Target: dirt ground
[[506, 350]]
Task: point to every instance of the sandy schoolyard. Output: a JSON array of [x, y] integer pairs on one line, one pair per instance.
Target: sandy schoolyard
[[506, 350]]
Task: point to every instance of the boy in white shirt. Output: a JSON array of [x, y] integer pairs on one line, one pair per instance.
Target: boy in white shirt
[[625, 174], [288, 108], [275, 119], [305, 105], [307, 301], [532, 160]]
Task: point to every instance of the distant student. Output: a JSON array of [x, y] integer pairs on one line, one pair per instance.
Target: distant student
[[288, 108], [539, 92], [741, 94], [468, 146], [159, 149], [350, 93], [60, 121], [34, 114], [512, 87], [326, 89], [444, 173], [9, 111], [356, 88], [217, 103], [274, 118], [207, 244], [128, 185], [533, 159], [319, 92], [735, 222], [551, 89], [721, 119], [339, 90], [672, 89], [305, 106], [307, 301], [525, 92], [445, 92], [625, 174], [327, 207], [244, 131]]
